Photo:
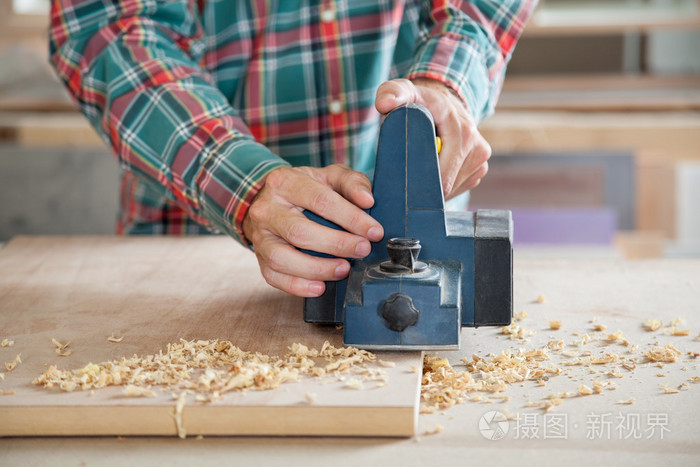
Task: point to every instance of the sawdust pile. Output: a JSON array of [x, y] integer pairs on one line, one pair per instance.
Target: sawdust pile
[[210, 369], [486, 380], [442, 386]]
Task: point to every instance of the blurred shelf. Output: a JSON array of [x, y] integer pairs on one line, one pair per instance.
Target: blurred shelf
[[611, 17], [594, 93], [673, 135]]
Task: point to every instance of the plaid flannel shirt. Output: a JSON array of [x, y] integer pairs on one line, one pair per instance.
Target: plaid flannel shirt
[[201, 99]]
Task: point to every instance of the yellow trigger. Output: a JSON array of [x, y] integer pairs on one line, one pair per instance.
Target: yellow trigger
[[438, 142]]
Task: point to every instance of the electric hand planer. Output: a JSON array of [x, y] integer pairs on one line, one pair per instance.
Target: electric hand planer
[[435, 271]]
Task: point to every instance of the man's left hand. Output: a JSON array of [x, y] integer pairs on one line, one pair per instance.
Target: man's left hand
[[464, 154]]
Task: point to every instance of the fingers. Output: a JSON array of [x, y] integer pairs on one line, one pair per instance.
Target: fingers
[[276, 226], [294, 272], [394, 93], [333, 200]]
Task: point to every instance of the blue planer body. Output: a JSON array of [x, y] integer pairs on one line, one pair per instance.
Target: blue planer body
[[435, 271]]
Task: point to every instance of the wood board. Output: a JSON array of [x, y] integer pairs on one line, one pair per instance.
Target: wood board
[[154, 291]]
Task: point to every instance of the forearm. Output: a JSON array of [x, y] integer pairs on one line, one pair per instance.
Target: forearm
[[134, 73], [468, 46]]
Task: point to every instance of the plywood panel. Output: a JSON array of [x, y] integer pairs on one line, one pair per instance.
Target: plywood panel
[[154, 291]]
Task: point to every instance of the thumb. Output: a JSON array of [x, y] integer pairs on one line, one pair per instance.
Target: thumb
[[394, 93]]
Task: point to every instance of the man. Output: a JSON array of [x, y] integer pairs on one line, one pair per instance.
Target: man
[[235, 116]]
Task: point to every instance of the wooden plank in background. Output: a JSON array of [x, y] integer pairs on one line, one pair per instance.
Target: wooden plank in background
[[154, 291]]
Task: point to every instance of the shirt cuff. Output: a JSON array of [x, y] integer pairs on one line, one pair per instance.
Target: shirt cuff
[[457, 62], [231, 178]]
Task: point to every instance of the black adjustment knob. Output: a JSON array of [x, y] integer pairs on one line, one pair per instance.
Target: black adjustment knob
[[398, 312], [403, 253]]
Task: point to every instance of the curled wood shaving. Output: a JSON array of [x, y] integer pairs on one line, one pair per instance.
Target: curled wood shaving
[[555, 345], [583, 340], [599, 327], [137, 391], [517, 332], [386, 364], [64, 353], [6, 392], [669, 390], [437, 429], [520, 316], [695, 379], [354, 383], [678, 321], [7, 343], [11, 365], [2, 376], [541, 299], [629, 401], [114, 339], [59, 345], [618, 337], [554, 324], [652, 325], [666, 354], [679, 332], [584, 390], [310, 397], [177, 415]]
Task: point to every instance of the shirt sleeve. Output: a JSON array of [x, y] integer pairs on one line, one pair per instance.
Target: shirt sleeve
[[133, 69], [466, 45]]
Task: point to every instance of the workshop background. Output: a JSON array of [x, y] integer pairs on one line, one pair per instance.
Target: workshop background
[[596, 137]]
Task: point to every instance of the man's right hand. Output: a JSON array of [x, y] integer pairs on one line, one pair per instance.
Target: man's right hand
[[276, 226]]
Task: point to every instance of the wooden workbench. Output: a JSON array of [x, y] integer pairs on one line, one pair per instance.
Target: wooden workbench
[[599, 431]]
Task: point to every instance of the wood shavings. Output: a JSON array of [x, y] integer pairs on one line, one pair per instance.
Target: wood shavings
[[212, 368], [7, 343], [11, 365], [554, 324], [2, 376], [354, 383], [59, 345], [584, 390], [678, 321], [666, 354], [652, 325], [310, 397], [520, 316], [683, 387], [669, 390], [136, 391], [437, 429], [555, 345], [6, 392], [443, 386], [177, 415], [629, 401], [618, 337], [695, 379], [516, 332], [114, 339], [599, 327], [583, 340], [541, 299], [679, 332], [62, 350], [386, 364]]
